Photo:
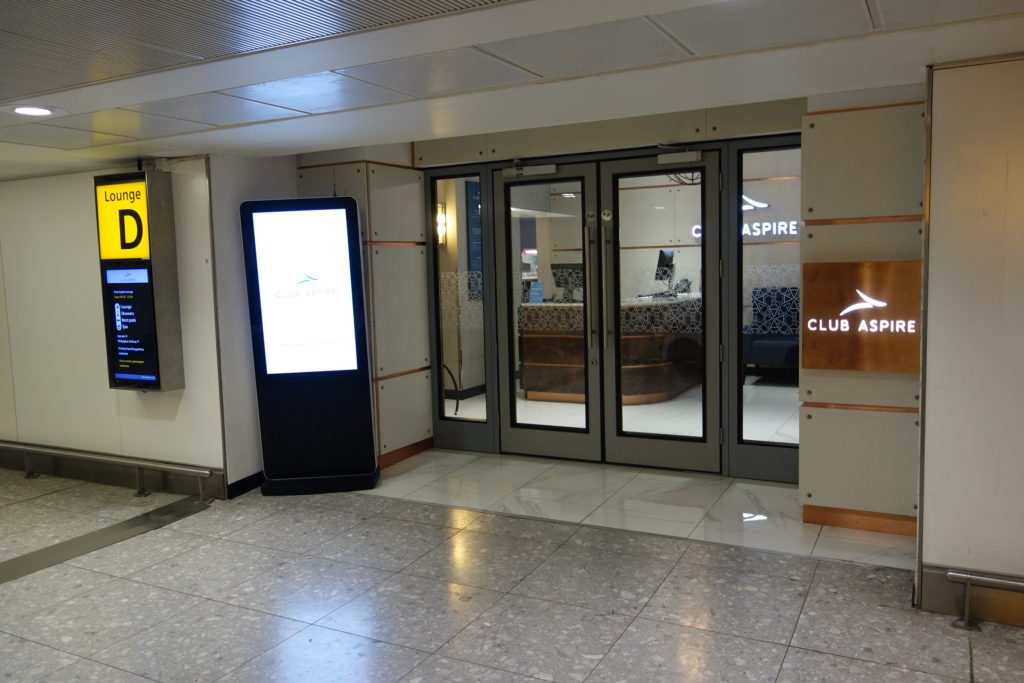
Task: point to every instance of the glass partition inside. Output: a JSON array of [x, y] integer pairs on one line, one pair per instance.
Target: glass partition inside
[[460, 296], [548, 294], [770, 296], [660, 305]]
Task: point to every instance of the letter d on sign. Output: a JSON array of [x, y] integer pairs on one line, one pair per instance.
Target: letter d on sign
[[125, 244]]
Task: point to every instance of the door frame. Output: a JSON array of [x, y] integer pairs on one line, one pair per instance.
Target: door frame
[[737, 458], [748, 460]]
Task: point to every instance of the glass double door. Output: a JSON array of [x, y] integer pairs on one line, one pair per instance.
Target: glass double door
[[608, 299]]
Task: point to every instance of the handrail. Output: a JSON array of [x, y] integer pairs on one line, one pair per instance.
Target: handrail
[[97, 456], [985, 581]]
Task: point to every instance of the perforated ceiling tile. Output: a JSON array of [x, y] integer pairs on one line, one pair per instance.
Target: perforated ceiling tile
[[317, 93], [216, 109], [742, 25], [896, 14], [440, 73], [589, 49], [64, 43], [129, 123], [60, 138]]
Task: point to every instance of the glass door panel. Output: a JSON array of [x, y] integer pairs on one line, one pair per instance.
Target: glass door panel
[[770, 296], [662, 387], [547, 327], [460, 297], [546, 267]]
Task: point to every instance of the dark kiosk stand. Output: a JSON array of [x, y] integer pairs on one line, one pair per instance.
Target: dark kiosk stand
[[304, 274]]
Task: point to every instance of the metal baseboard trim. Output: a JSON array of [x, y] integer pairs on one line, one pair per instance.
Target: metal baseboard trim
[[101, 538]]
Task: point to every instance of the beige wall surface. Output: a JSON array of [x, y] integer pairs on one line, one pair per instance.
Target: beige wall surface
[[55, 317], [973, 467]]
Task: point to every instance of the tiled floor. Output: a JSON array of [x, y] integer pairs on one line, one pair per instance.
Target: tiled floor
[[355, 587], [702, 507]]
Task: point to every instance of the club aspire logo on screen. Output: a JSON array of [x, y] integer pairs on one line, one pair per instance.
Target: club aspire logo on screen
[[306, 287]]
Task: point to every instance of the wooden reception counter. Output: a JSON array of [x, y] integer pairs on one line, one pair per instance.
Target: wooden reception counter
[[660, 347]]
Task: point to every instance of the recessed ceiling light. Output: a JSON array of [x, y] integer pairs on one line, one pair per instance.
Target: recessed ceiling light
[[34, 110]]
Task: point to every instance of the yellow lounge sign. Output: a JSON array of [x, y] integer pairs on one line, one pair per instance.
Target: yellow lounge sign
[[122, 217]]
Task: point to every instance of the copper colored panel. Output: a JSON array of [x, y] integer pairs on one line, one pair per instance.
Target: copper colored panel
[[862, 316]]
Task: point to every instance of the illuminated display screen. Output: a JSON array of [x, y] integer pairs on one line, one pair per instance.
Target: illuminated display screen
[[131, 326], [305, 290]]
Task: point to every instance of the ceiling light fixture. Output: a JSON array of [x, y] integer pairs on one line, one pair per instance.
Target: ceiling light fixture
[[32, 110]]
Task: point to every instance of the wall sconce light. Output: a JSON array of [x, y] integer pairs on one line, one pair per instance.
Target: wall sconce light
[[442, 225]]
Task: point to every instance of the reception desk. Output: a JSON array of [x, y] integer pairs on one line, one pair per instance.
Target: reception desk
[[660, 349]]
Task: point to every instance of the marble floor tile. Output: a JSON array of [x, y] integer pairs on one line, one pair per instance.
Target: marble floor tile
[[630, 520], [110, 502], [327, 656], [38, 537], [210, 640], [598, 579], [742, 604], [221, 518], [868, 547], [364, 506], [799, 542], [212, 568], [578, 483], [296, 530], [472, 558], [629, 542], [27, 514], [804, 666], [24, 660], [906, 638], [463, 492], [438, 669], [862, 584], [655, 652], [14, 485], [44, 588], [538, 638], [516, 504], [390, 544], [678, 496], [517, 527], [750, 561], [426, 513], [758, 505], [6, 501], [412, 611], [87, 671], [998, 653], [304, 589], [139, 552], [101, 617]]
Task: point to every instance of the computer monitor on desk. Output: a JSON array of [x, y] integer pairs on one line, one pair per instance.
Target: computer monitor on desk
[[568, 277]]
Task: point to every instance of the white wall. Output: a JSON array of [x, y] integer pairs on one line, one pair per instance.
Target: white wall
[[57, 351], [234, 180], [973, 466]]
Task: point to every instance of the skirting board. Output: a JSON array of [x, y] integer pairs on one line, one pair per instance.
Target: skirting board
[[861, 519], [987, 604], [395, 457]]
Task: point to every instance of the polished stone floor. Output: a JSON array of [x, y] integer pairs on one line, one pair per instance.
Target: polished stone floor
[[755, 514], [354, 587]]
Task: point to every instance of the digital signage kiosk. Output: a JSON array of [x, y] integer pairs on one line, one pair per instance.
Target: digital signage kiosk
[[305, 281], [139, 281]]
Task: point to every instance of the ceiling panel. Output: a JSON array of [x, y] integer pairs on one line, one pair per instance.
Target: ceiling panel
[[129, 123], [589, 49], [896, 14], [98, 41], [441, 73], [741, 25], [318, 93], [52, 136], [216, 109]]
